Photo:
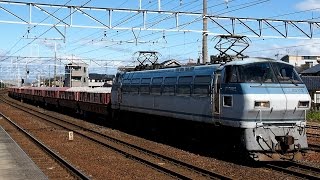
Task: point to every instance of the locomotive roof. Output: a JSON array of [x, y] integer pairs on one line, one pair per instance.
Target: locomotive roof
[[183, 70], [250, 60], [208, 67]]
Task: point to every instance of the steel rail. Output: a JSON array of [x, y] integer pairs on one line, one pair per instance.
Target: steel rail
[[313, 135], [285, 165], [313, 126], [76, 172], [178, 163]]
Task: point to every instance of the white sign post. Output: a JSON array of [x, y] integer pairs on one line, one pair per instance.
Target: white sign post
[[70, 135]]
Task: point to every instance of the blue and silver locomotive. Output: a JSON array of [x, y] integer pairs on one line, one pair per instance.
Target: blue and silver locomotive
[[262, 99]]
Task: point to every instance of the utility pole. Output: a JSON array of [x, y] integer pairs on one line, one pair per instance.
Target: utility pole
[[204, 33], [55, 64]]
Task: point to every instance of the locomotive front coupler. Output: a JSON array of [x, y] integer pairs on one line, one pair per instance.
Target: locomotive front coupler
[[285, 142]]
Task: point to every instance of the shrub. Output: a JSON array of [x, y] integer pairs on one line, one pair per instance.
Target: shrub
[[313, 116]]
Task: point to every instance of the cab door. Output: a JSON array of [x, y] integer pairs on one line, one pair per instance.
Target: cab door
[[216, 94]]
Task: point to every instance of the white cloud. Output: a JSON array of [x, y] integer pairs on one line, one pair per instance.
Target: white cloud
[[51, 44], [308, 4], [301, 48], [280, 48], [308, 47]]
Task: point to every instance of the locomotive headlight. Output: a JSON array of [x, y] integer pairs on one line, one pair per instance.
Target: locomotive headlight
[[303, 104], [261, 104]]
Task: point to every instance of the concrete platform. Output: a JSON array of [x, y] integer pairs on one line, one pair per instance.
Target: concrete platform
[[14, 162]]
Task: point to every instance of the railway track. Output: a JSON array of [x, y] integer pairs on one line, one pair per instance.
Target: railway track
[[162, 163], [313, 135], [295, 168], [298, 169], [314, 147], [58, 161], [170, 166], [313, 126]]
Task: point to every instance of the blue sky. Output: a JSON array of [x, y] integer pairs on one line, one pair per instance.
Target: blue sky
[[106, 49]]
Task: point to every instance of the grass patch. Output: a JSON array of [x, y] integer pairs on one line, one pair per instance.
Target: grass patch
[[313, 116]]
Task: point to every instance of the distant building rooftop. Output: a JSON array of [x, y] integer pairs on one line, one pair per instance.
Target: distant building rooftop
[[312, 82], [171, 63], [315, 70], [97, 76], [298, 61], [100, 80]]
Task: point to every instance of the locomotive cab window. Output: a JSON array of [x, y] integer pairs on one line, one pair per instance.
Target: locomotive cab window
[[231, 75], [256, 73], [286, 74]]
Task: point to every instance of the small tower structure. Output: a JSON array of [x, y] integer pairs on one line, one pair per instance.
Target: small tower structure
[[76, 74]]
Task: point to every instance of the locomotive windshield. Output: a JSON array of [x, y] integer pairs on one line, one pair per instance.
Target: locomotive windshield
[[257, 73], [264, 72], [286, 73]]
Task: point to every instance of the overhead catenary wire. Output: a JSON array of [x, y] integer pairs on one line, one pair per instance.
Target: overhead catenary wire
[[121, 34], [229, 11], [218, 4], [29, 29], [89, 42], [47, 30], [126, 20]]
